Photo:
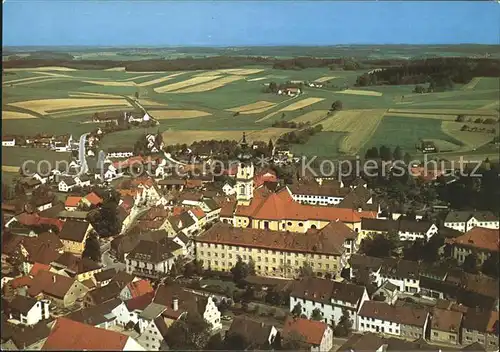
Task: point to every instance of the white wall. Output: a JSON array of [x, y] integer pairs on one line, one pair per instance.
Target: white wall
[[212, 314], [313, 199], [366, 324], [133, 345]]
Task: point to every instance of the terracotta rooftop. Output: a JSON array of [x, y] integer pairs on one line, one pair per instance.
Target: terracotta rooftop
[[267, 205], [71, 335], [74, 230], [38, 267], [165, 295], [72, 201], [478, 237], [310, 330], [318, 242], [93, 198], [50, 284], [139, 288]]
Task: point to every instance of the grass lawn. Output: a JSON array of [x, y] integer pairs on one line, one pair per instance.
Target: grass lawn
[[407, 132]]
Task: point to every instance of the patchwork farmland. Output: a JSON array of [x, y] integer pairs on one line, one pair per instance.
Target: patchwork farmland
[[220, 104]]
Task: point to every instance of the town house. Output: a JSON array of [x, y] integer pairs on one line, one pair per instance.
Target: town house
[[62, 290], [152, 259], [446, 326], [479, 240], [255, 334], [66, 184], [120, 152], [408, 230], [403, 321], [316, 335], [76, 267], [26, 310], [328, 193], [73, 236], [404, 274], [464, 221], [330, 297], [481, 327]]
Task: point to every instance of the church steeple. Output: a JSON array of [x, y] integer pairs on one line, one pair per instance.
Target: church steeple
[[244, 177]]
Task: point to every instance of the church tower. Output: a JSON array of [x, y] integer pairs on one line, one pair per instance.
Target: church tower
[[244, 178]]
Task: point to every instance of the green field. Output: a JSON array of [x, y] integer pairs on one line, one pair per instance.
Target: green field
[[323, 144], [407, 132]]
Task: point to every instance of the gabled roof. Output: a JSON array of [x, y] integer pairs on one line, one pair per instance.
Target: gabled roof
[[310, 330], [69, 181], [74, 264], [93, 198], [362, 342], [72, 201], [21, 304], [71, 335], [25, 336], [95, 315], [38, 267], [140, 302], [105, 275], [397, 314], [165, 295], [446, 320], [139, 288], [480, 238], [266, 205], [254, 332], [74, 230], [106, 293], [323, 290], [464, 216], [50, 284], [318, 242], [181, 221], [154, 252]]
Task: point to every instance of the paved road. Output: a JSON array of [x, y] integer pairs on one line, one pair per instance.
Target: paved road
[[169, 158], [81, 154]]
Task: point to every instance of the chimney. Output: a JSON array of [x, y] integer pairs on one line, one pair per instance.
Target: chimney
[[53, 278], [175, 303], [360, 210]]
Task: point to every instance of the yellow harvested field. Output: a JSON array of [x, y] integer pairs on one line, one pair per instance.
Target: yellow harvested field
[[471, 139], [257, 111], [11, 115], [48, 68], [359, 124], [240, 71], [177, 114], [159, 80], [324, 79], [301, 104], [370, 93], [311, 116], [455, 112], [23, 79], [148, 102], [6, 168], [115, 69], [257, 79], [43, 106], [136, 77], [188, 137], [472, 84], [214, 84], [257, 105], [52, 74], [112, 83], [183, 84]]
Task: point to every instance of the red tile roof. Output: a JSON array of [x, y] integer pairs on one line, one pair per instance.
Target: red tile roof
[[268, 205], [197, 211], [72, 335], [51, 284], [93, 198], [193, 183], [38, 267], [265, 176], [36, 220], [479, 237], [140, 302], [72, 201], [312, 331], [20, 281], [139, 288]]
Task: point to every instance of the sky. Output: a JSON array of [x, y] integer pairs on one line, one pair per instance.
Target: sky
[[247, 23]]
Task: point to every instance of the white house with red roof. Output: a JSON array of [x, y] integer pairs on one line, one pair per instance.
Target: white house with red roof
[[480, 240], [315, 334]]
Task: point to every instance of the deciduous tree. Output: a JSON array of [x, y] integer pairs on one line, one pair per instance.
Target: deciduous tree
[[92, 248], [470, 263], [317, 315]]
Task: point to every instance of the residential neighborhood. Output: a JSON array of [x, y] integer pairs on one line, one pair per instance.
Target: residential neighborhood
[[136, 263]]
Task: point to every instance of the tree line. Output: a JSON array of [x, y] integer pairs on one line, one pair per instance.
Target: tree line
[[439, 73]]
